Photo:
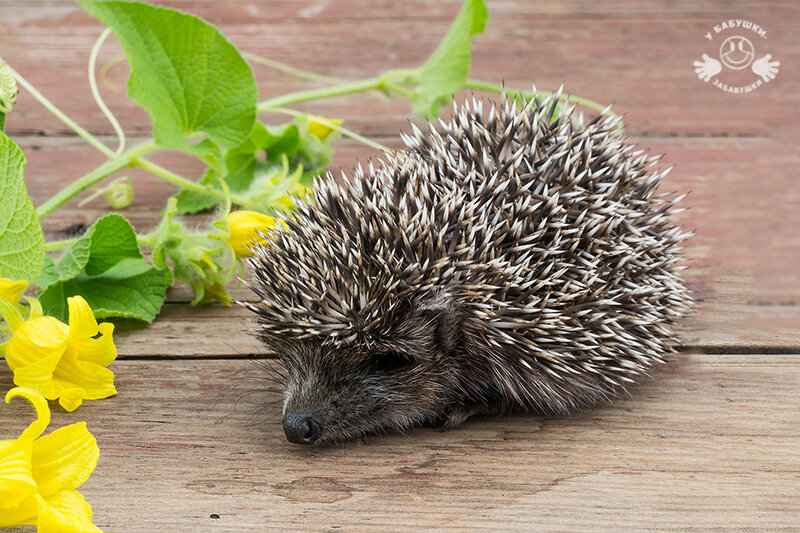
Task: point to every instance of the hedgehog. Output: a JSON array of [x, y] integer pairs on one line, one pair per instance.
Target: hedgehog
[[516, 260]]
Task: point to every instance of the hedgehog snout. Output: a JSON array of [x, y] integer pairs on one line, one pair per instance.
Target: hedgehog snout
[[302, 428]]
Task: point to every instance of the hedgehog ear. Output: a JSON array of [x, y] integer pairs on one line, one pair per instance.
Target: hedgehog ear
[[442, 311]]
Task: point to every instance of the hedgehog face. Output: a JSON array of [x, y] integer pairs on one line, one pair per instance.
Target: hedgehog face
[[334, 393]]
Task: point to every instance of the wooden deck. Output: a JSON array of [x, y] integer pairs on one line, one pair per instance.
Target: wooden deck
[[193, 441]]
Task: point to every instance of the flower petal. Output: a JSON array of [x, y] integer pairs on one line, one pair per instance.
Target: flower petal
[[64, 459], [10, 314], [66, 512], [245, 228], [36, 339], [36, 307], [20, 515], [12, 290], [38, 376], [16, 481], [99, 350], [82, 323], [95, 379], [38, 426], [218, 292], [321, 126], [70, 396]]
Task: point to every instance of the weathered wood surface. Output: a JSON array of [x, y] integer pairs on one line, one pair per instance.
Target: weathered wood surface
[[637, 55], [744, 261], [711, 444]]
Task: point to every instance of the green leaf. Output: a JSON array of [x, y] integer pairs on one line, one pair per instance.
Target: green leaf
[[190, 202], [106, 267], [130, 289], [112, 240], [184, 72], [107, 242], [242, 156], [240, 164], [243, 161], [446, 70], [49, 274], [261, 168], [210, 153], [284, 139], [21, 237]]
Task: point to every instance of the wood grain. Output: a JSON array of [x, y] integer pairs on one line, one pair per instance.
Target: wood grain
[[639, 58], [743, 262], [193, 441], [727, 319], [712, 443]]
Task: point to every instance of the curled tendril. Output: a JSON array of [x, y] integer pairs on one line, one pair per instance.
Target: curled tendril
[[8, 87], [119, 193], [96, 93]]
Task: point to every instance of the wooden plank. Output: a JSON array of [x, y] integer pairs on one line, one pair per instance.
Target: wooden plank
[[615, 54], [193, 441], [243, 11], [742, 262], [218, 331], [711, 444], [742, 217]]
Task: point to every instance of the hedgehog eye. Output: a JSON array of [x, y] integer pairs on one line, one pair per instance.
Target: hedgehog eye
[[391, 362]]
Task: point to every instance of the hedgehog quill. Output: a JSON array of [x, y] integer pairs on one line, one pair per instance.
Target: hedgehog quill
[[505, 261]]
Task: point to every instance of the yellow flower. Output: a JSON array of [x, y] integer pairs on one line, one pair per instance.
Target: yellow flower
[[12, 290], [217, 292], [245, 227], [321, 126], [61, 362], [39, 475], [287, 201]]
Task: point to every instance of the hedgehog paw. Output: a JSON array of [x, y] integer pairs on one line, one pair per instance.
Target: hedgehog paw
[[458, 413]]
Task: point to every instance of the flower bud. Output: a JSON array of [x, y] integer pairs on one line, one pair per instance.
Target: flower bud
[[322, 129], [245, 227]]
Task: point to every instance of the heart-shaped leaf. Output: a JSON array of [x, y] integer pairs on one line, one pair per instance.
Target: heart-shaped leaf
[[447, 68], [21, 237], [184, 72], [106, 267]]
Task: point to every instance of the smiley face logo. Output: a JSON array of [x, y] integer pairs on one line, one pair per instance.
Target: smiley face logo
[[736, 52]]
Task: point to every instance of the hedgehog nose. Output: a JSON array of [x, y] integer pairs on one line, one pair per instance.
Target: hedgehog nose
[[301, 428]]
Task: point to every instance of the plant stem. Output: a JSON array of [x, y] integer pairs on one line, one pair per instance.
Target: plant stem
[[496, 89], [288, 69], [391, 80], [88, 137], [108, 168], [344, 131], [298, 72], [52, 246], [323, 92], [180, 181], [96, 94], [108, 65]]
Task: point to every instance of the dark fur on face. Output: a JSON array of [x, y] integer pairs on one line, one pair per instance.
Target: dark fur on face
[[409, 380]]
